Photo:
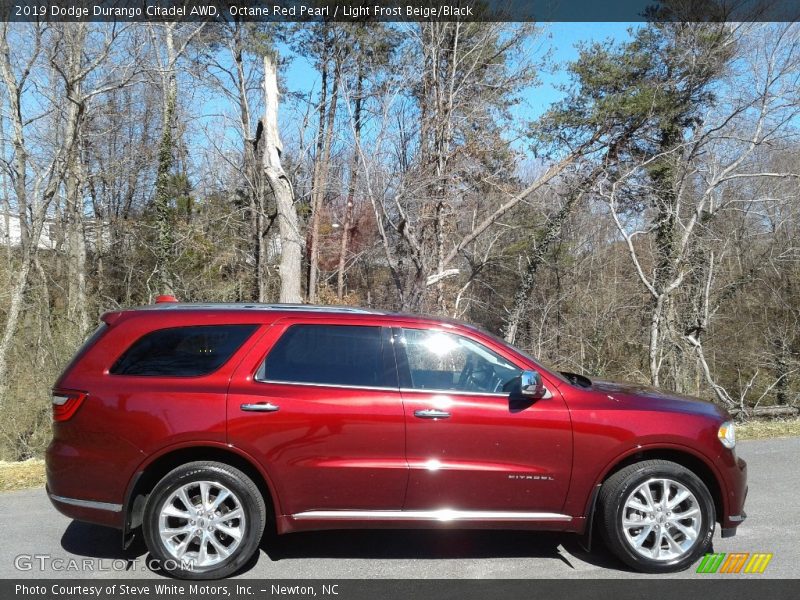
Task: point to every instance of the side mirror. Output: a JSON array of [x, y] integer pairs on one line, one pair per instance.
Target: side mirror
[[530, 385]]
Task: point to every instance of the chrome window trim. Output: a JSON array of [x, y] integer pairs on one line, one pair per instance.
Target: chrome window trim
[[393, 389], [454, 392], [109, 506], [328, 385], [443, 515], [506, 395]]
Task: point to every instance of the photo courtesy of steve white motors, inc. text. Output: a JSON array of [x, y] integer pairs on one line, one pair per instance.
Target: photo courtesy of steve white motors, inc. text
[[173, 589]]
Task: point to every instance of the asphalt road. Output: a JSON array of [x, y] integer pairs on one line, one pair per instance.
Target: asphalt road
[[30, 526]]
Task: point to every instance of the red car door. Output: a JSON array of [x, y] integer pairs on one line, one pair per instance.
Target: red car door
[[318, 404], [470, 445]]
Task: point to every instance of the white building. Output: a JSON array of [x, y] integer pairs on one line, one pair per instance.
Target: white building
[[12, 234], [49, 236]]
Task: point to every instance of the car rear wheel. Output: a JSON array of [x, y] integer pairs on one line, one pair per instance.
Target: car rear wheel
[[204, 520], [656, 516]]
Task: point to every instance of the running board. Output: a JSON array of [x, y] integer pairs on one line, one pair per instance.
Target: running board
[[443, 515]]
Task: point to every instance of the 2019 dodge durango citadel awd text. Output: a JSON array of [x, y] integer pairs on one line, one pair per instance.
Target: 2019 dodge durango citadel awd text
[[200, 424]]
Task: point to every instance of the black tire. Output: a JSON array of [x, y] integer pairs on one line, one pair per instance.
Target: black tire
[[611, 506], [244, 490]]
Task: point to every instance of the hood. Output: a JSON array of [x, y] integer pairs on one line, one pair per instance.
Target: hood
[[649, 398]]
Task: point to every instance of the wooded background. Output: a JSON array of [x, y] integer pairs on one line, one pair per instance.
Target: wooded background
[[646, 227]]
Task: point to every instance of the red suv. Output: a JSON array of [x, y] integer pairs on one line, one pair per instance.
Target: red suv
[[199, 424]]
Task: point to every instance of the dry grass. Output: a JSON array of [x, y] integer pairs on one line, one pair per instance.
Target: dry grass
[[774, 428], [21, 475]]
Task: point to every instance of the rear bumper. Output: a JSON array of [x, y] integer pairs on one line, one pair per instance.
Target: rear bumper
[[91, 511], [80, 485]]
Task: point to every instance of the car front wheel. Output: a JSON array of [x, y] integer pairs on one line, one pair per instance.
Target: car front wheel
[[657, 516], [204, 520]]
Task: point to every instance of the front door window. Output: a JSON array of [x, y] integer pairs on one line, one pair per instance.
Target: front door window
[[446, 362]]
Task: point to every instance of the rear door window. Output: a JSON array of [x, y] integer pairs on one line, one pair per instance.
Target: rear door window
[[345, 355], [183, 351]]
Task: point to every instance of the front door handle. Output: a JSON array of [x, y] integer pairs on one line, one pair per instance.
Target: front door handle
[[431, 413], [260, 407]]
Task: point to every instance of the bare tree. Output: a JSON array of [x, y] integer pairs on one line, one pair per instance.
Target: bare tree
[[167, 64], [281, 188], [720, 152], [231, 61], [36, 177]]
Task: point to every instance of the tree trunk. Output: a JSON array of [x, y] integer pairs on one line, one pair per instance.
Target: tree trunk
[[76, 246], [781, 369], [654, 350], [163, 206], [522, 295], [6, 199], [351, 191], [162, 199], [253, 181], [281, 187], [667, 356], [18, 289], [319, 185], [74, 178], [100, 250], [445, 108]]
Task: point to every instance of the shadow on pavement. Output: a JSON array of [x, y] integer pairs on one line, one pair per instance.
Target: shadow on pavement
[[85, 539], [435, 545], [96, 541]]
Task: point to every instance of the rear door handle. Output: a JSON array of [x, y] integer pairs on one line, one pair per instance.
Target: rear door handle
[[260, 407], [431, 413]]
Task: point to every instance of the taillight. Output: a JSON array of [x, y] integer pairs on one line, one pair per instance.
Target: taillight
[[65, 403]]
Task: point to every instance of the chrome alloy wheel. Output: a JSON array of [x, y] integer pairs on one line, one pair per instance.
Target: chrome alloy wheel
[[661, 519], [202, 522]]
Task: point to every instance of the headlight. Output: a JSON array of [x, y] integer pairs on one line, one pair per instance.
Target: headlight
[[727, 434]]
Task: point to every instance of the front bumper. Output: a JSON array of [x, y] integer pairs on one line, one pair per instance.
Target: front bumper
[[735, 486], [728, 532]]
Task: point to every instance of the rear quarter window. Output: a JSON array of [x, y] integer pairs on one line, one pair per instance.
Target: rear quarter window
[[182, 351]]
